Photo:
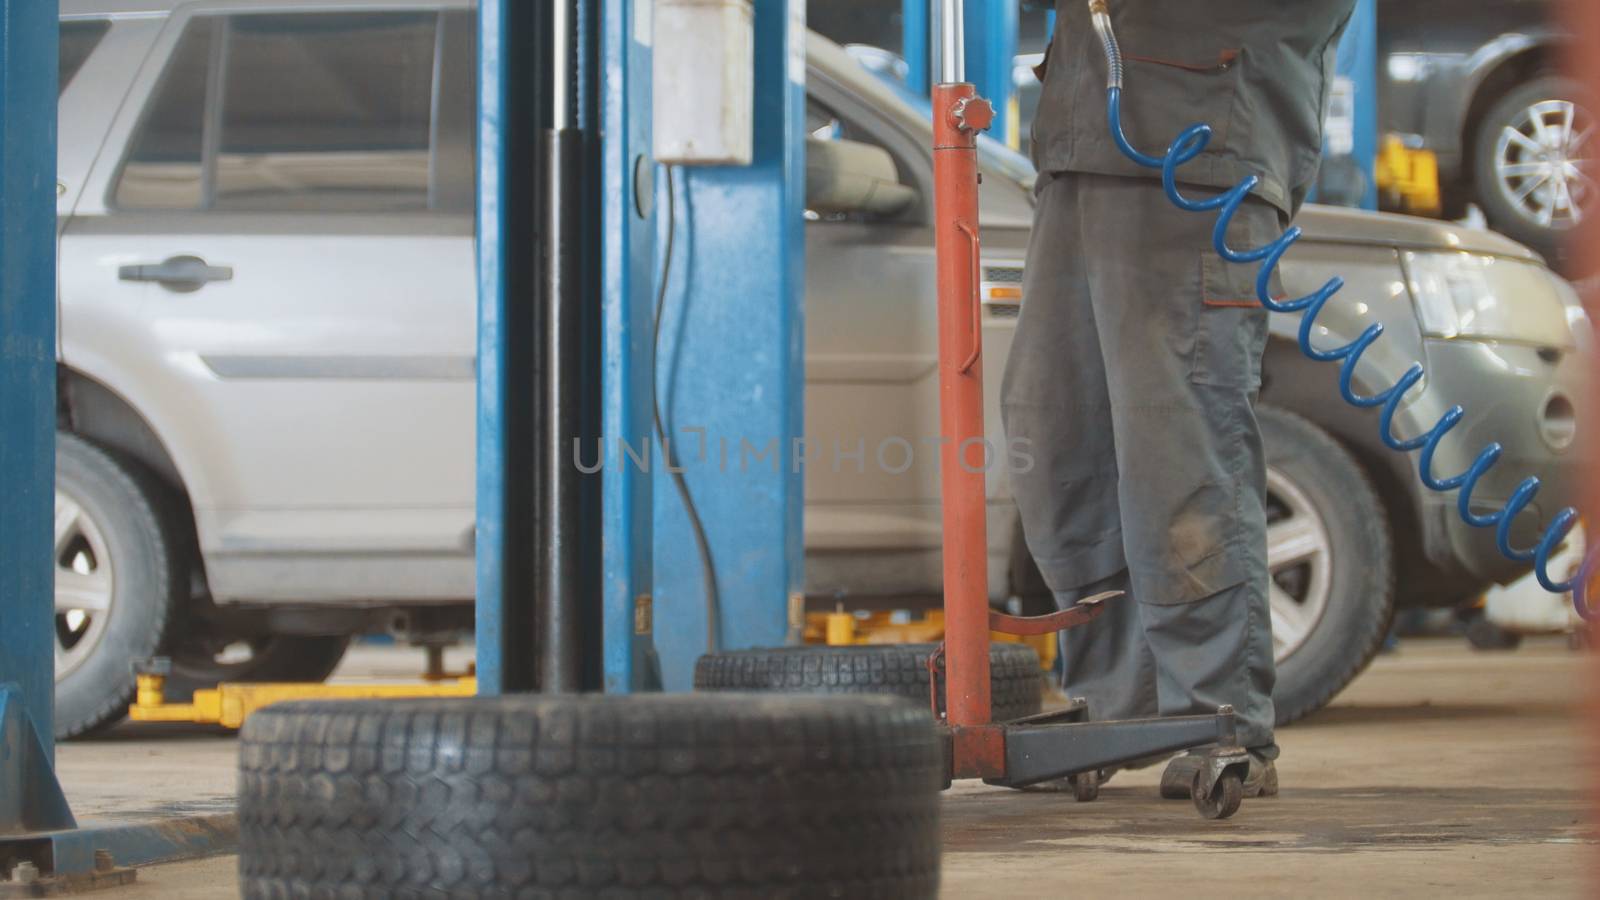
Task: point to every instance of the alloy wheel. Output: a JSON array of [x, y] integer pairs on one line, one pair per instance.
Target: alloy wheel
[[84, 584], [1544, 163], [1300, 562]]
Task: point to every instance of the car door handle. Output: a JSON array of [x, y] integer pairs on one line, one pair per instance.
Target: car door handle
[[179, 273]]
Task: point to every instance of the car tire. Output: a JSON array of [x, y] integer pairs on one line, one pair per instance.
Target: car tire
[[686, 795], [1332, 563], [1495, 189], [117, 530], [900, 669], [273, 658]]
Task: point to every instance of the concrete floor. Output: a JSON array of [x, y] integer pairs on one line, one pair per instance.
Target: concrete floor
[[1441, 771]]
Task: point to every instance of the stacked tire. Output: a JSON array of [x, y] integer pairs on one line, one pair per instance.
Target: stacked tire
[[901, 670], [721, 795]]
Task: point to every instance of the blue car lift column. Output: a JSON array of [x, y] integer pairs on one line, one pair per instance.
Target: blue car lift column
[[731, 363], [731, 376], [30, 799], [627, 280], [40, 840], [538, 545]]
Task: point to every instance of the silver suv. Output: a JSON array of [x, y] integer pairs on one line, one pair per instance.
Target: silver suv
[[267, 338]]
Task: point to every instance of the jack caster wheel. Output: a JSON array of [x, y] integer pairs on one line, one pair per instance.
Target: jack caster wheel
[[1086, 787], [1222, 800]]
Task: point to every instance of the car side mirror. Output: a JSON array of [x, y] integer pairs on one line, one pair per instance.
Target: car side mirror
[[844, 177]]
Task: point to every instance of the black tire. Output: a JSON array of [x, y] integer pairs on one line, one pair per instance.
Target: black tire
[[272, 658], [1360, 595], [898, 669], [1500, 209], [137, 518], [578, 796]]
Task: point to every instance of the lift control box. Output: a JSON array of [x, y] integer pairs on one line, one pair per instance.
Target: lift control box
[[702, 82]]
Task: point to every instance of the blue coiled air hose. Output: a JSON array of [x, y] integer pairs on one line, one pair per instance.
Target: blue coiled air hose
[[1189, 144]]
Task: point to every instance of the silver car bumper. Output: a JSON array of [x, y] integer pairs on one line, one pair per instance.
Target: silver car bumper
[[1522, 397]]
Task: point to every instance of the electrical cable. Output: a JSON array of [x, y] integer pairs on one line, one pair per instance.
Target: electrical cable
[[708, 571], [1189, 144]]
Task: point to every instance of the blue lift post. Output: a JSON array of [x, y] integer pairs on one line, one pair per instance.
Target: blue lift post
[[627, 281], [36, 825], [513, 110], [509, 118], [1357, 60], [991, 32], [915, 45], [732, 368], [30, 799]]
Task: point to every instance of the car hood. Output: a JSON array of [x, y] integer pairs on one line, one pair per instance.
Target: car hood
[[1339, 225]]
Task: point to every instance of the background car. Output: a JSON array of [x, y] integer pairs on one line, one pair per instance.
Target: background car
[[1483, 91], [267, 333]]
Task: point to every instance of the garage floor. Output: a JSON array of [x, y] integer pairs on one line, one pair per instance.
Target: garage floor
[[1441, 771]]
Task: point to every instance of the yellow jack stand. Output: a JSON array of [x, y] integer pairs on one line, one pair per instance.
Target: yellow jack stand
[[842, 628], [230, 704]]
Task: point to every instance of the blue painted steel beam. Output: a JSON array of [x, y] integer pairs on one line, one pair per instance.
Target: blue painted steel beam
[[28, 41], [30, 797], [626, 275], [511, 109], [915, 43], [991, 33], [1358, 61], [732, 367]]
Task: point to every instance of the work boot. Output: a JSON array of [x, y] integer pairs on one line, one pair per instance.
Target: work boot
[[1177, 782]]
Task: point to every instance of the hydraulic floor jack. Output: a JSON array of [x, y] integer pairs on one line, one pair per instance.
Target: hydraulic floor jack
[[1056, 744]]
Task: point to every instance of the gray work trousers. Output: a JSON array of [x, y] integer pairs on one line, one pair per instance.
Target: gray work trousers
[[1134, 374]]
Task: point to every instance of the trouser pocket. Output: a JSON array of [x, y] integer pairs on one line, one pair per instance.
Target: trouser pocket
[[1230, 333], [1230, 325]]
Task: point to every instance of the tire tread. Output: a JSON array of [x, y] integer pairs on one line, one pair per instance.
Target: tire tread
[[1016, 686], [626, 797]]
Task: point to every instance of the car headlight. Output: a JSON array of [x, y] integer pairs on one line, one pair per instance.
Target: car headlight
[[1462, 294]]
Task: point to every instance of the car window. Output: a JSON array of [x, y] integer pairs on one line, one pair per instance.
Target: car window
[[455, 123], [162, 170], [309, 112], [79, 37]]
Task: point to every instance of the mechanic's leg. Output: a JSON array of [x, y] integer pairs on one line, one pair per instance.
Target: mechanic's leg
[[1182, 339], [1054, 397], [1108, 661]]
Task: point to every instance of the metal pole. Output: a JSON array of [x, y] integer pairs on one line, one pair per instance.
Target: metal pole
[[952, 42], [27, 358], [562, 588], [561, 64]]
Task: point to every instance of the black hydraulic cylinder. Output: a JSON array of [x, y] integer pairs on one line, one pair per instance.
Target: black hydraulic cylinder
[[559, 619]]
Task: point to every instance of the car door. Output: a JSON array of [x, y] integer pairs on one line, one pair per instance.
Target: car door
[[278, 275], [872, 476]]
